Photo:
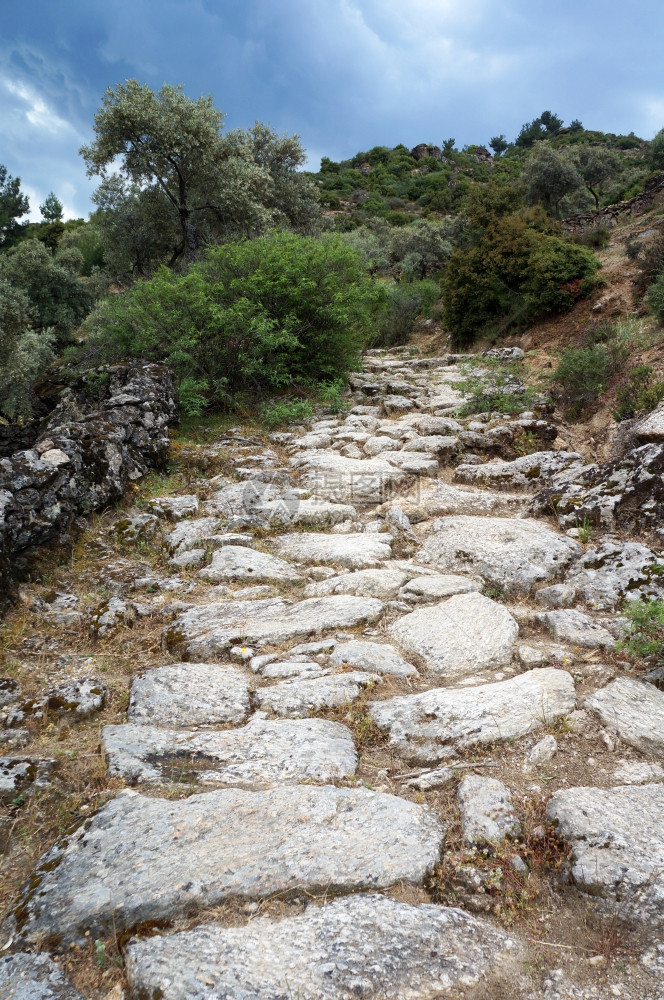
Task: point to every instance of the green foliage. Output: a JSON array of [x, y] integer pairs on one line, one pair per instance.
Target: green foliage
[[656, 297], [540, 128], [51, 210], [405, 302], [657, 151], [183, 184], [13, 205], [581, 376], [490, 386], [549, 176], [24, 352], [331, 393], [258, 314], [58, 297], [644, 634], [639, 394], [287, 411], [513, 276], [498, 144]]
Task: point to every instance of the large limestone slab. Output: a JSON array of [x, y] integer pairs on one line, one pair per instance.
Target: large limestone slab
[[264, 500], [424, 726], [635, 711], [413, 462], [612, 571], [650, 428], [355, 551], [529, 472], [487, 813], [379, 658], [381, 583], [348, 480], [188, 535], [261, 754], [438, 586], [569, 625], [34, 977], [235, 562], [467, 633], [141, 859], [511, 553], [190, 694], [298, 696], [367, 946], [617, 841], [206, 631]]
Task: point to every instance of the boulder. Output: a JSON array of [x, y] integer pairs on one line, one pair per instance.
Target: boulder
[[235, 562], [633, 710]]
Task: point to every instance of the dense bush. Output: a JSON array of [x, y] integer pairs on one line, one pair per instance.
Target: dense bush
[[405, 302], [513, 276], [24, 352], [581, 376], [638, 394], [255, 314], [656, 297]]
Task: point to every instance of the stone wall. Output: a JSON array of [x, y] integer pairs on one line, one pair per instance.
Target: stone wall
[[110, 427], [608, 217]]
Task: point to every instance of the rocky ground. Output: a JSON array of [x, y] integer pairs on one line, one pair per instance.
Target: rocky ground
[[341, 714]]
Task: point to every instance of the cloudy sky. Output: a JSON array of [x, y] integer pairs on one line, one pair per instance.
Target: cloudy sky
[[344, 74]]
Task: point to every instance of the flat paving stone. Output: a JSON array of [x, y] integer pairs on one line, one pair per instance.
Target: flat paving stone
[[330, 476], [34, 977], [512, 553], [487, 813], [299, 696], [235, 562], [209, 630], [635, 711], [381, 583], [569, 625], [529, 472], [261, 754], [378, 658], [439, 586], [190, 694], [617, 841], [424, 727], [190, 534], [367, 946], [459, 636], [142, 859], [355, 551]]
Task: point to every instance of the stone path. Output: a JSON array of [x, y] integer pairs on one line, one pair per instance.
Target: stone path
[[352, 633]]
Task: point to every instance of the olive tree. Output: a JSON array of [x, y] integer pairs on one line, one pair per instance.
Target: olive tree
[[24, 351], [549, 176], [185, 183], [13, 205]]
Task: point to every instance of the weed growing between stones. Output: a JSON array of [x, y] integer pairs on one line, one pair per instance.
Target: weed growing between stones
[[644, 634]]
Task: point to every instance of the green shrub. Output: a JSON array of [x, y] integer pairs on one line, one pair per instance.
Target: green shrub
[[644, 634], [24, 352], [639, 394], [286, 411], [405, 302], [513, 276], [494, 388], [581, 376], [253, 315], [656, 297]]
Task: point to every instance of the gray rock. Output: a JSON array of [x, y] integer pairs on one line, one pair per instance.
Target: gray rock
[[34, 977], [435, 587], [413, 462], [487, 813], [190, 694], [372, 656], [355, 551], [175, 507], [542, 752], [367, 946], [291, 668], [511, 553], [375, 445], [650, 428], [298, 697], [139, 527], [381, 583], [575, 627], [10, 692], [617, 841], [434, 444], [424, 727], [20, 776], [79, 698], [110, 615], [235, 562], [142, 859], [606, 574], [189, 559], [635, 711], [638, 772], [206, 631], [261, 754], [459, 636], [529, 472], [347, 480], [190, 534], [394, 405], [558, 595]]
